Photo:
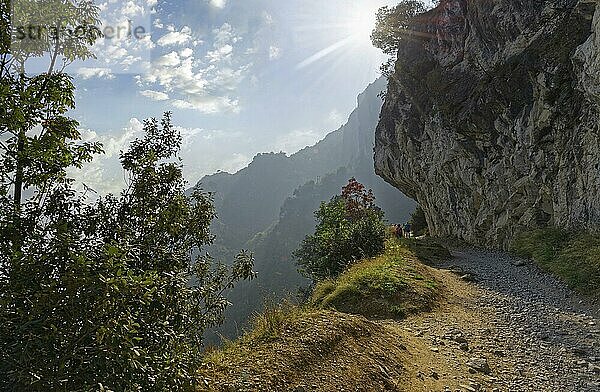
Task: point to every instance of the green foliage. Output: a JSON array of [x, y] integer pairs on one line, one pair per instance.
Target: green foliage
[[388, 286], [572, 256], [350, 227], [36, 136], [393, 26], [63, 29], [39, 139], [418, 222], [108, 294]]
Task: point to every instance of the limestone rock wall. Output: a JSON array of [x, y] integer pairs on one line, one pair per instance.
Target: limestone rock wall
[[491, 119]]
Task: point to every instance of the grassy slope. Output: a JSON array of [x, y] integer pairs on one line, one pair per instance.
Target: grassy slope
[[574, 257], [386, 287], [333, 342]]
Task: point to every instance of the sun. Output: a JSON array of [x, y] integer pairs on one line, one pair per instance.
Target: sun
[[361, 22], [347, 28]]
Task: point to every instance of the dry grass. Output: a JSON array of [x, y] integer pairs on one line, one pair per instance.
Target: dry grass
[[318, 351], [328, 344]]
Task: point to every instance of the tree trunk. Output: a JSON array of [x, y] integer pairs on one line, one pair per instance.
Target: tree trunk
[[19, 174]]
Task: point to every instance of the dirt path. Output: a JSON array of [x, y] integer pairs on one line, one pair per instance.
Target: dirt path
[[503, 326]]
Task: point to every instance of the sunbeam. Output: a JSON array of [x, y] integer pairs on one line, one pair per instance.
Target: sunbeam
[[323, 53], [350, 31]]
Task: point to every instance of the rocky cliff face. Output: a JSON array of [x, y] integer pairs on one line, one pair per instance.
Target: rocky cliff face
[[491, 119]]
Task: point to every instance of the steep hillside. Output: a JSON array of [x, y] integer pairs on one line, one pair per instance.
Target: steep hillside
[[491, 118], [268, 206], [315, 348], [478, 321]]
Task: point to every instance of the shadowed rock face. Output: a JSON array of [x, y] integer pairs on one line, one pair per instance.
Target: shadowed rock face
[[491, 120]]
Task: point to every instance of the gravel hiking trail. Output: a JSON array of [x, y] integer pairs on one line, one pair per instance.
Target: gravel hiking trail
[[503, 325]]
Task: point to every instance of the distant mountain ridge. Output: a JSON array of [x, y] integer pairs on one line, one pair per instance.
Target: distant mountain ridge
[[268, 206], [251, 198]]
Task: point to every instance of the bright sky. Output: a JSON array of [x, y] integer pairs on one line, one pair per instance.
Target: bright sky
[[240, 76]]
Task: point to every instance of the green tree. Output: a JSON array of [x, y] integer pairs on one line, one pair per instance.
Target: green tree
[[37, 136], [350, 227], [393, 26], [105, 295], [114, 294]]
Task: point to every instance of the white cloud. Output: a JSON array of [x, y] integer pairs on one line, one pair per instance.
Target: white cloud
[[203, 151], [220, 54], [169, 60], [176, 37], [114, 52], [274, 52], [155, 95], [206, 151], [206, 84], [174, 67], [335, 118], [187, 52], [236, 162], [188, 135], [123, 48], [181, 104], [114, 144], [104, 174], [227, 78], [225, 35], [95, 72], [207, 104], [131, 9]]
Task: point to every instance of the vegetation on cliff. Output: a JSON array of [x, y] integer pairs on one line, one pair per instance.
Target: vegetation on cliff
[[392, 27], [488, 114]]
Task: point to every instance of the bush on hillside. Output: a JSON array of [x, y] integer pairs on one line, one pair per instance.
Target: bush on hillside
[[350, 227]]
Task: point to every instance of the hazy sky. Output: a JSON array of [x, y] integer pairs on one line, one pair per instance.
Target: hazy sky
[[240, 76]]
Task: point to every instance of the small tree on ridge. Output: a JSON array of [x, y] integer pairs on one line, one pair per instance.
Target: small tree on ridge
[[349, 227]]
